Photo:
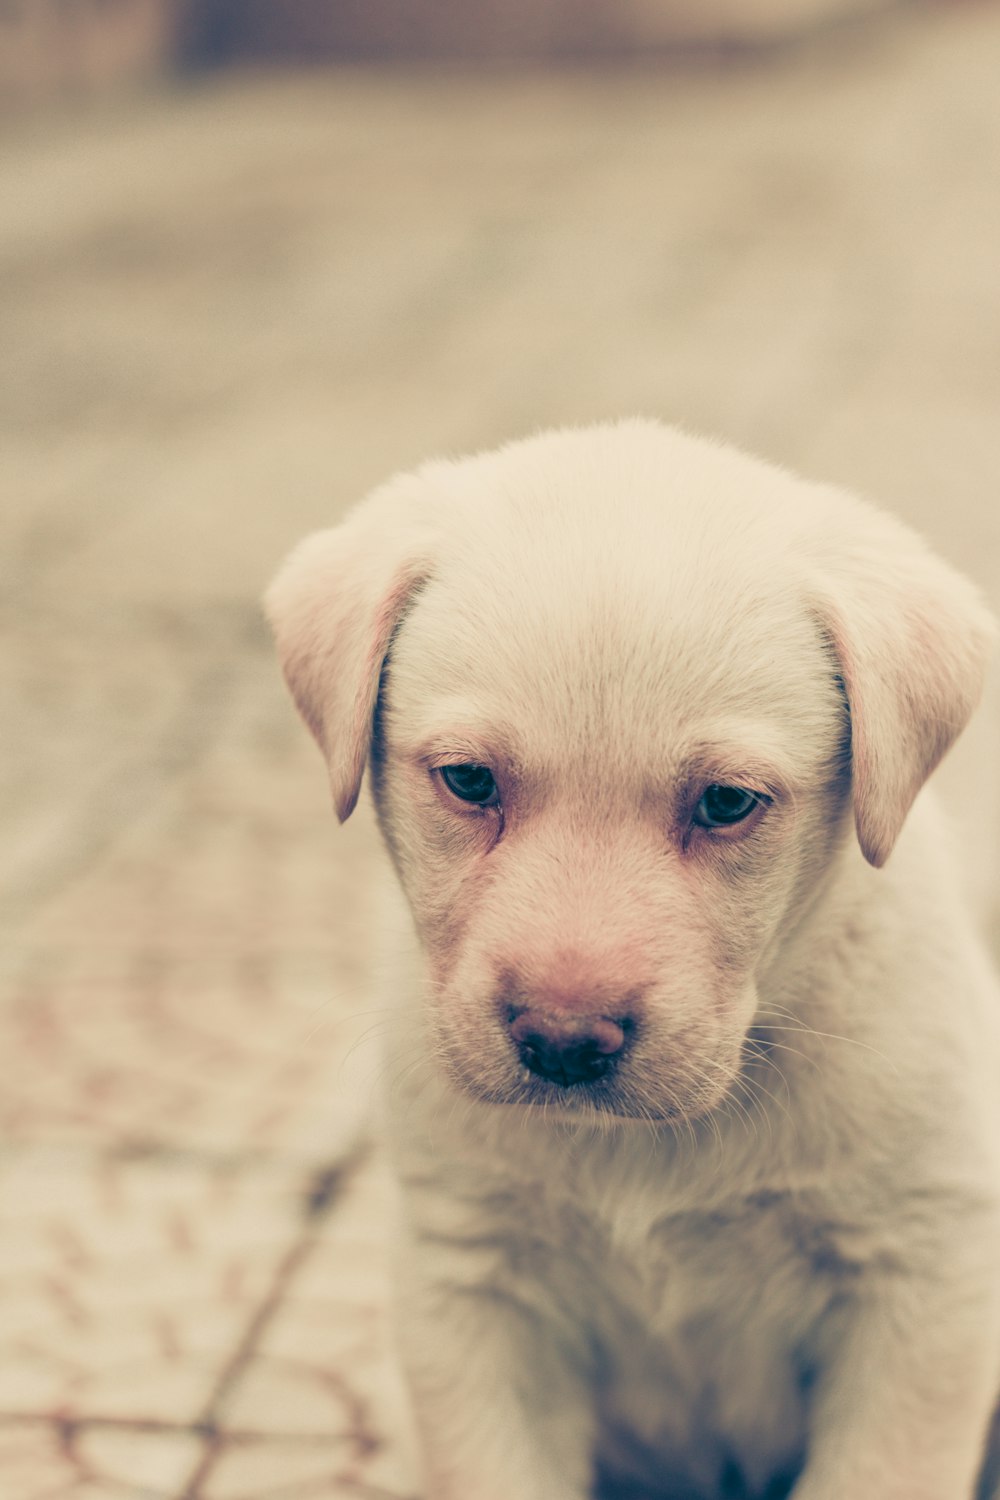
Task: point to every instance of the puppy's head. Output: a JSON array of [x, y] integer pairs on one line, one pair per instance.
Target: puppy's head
[[619, 688]]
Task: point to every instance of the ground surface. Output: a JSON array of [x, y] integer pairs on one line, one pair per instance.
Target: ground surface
[[227, 311]]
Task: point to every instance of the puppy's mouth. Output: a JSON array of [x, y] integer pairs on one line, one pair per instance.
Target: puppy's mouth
[[578, 1101], [622, 1094]]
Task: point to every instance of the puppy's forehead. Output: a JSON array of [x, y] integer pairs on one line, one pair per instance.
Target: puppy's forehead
[[602, 603]]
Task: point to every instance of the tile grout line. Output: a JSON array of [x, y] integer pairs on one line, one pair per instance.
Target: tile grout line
[[152, 1425], [326, 1187]]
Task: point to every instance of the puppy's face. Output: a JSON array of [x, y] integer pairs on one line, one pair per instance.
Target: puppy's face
[[624, 701], [607, 776]]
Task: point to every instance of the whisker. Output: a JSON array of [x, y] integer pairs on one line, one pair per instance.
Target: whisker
[[829, 1036]]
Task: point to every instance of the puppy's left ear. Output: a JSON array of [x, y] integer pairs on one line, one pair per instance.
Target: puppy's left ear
[[913, 641]]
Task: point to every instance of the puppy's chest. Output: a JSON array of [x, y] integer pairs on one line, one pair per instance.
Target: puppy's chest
[[679, 1268], [707, 1326]]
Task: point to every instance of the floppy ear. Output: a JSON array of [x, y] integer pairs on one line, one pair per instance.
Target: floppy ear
[[333, 608], [913, 640]]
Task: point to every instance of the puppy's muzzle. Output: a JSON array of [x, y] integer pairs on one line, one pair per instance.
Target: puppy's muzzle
[[567, 1049]]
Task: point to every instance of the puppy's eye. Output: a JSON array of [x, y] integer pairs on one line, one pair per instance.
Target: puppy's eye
[[721, 806], [471, 783]]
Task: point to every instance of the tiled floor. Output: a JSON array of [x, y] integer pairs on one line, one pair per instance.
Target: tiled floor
[[228, 310]]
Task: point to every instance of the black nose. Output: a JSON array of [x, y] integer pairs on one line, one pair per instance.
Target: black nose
[[567, 1049]]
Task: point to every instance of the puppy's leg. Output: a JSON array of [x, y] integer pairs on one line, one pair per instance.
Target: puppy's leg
[[902, 1412], [502, 1410]]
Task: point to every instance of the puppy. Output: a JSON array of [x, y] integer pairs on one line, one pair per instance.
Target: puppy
[[696, 1106]]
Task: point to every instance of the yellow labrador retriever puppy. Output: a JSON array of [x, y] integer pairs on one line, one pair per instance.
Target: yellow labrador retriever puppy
[[696, 1090]]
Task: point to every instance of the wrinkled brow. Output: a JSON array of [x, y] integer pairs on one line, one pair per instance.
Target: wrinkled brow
[[453, 733], [732, 763]]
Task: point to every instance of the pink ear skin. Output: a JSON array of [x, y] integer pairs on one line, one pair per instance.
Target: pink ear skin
[[913, 644], [333, 608]]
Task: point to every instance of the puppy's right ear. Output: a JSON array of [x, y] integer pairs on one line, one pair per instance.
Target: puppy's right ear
[[333, 608]]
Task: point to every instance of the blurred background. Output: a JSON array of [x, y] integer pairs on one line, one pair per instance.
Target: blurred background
[[253, 258]]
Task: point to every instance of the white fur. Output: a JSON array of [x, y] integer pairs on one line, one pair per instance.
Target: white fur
[[765, 1250]]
